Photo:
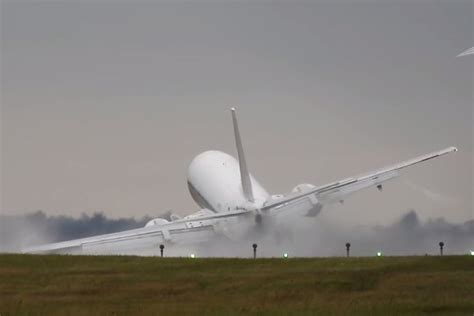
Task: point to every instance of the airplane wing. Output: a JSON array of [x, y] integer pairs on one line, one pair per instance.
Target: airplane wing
[[186, 230], [337, 191]]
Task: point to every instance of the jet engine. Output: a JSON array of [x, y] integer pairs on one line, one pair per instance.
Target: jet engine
[[302, 187], [157, 222], [313, 206]]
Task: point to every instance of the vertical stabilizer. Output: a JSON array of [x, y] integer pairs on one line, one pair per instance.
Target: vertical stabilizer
[[244, 172]]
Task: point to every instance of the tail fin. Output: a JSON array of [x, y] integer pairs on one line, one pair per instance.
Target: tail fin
[[244, 172]]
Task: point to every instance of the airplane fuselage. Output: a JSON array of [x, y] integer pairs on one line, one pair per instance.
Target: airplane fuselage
[[214, 182]]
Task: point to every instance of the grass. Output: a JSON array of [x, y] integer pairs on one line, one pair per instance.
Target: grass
[[116, 285]]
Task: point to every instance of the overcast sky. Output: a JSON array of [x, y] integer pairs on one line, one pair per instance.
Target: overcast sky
[[104, 105]]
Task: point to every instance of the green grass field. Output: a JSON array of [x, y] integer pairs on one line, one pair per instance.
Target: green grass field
[[87, 285]]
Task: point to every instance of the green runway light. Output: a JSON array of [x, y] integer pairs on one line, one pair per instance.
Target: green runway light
[[285, 255], [379, 254], [193, 256], [472, 252]]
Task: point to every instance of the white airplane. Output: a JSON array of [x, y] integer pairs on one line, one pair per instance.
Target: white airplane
[[469, 51], [231, 201]]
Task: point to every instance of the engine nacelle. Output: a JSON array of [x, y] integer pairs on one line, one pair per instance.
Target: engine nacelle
[[157, 222], [175, 217], [315, 206], [302, 187], [201, 213], [275, 198]]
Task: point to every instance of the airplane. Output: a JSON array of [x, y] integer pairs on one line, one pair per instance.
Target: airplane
[[469, 51], [231, 203]]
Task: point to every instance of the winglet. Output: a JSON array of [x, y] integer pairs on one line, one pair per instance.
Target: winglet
[[244, 172]]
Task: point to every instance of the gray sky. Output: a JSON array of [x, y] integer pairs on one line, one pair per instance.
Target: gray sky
[[104, 105]]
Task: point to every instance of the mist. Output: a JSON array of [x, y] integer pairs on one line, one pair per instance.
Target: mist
[[19, 231], [296, 236], [323, 236]]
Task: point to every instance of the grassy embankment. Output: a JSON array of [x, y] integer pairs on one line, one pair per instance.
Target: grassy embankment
[[81, 285]]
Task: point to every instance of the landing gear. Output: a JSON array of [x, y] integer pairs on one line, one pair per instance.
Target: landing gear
[[258, 219]]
